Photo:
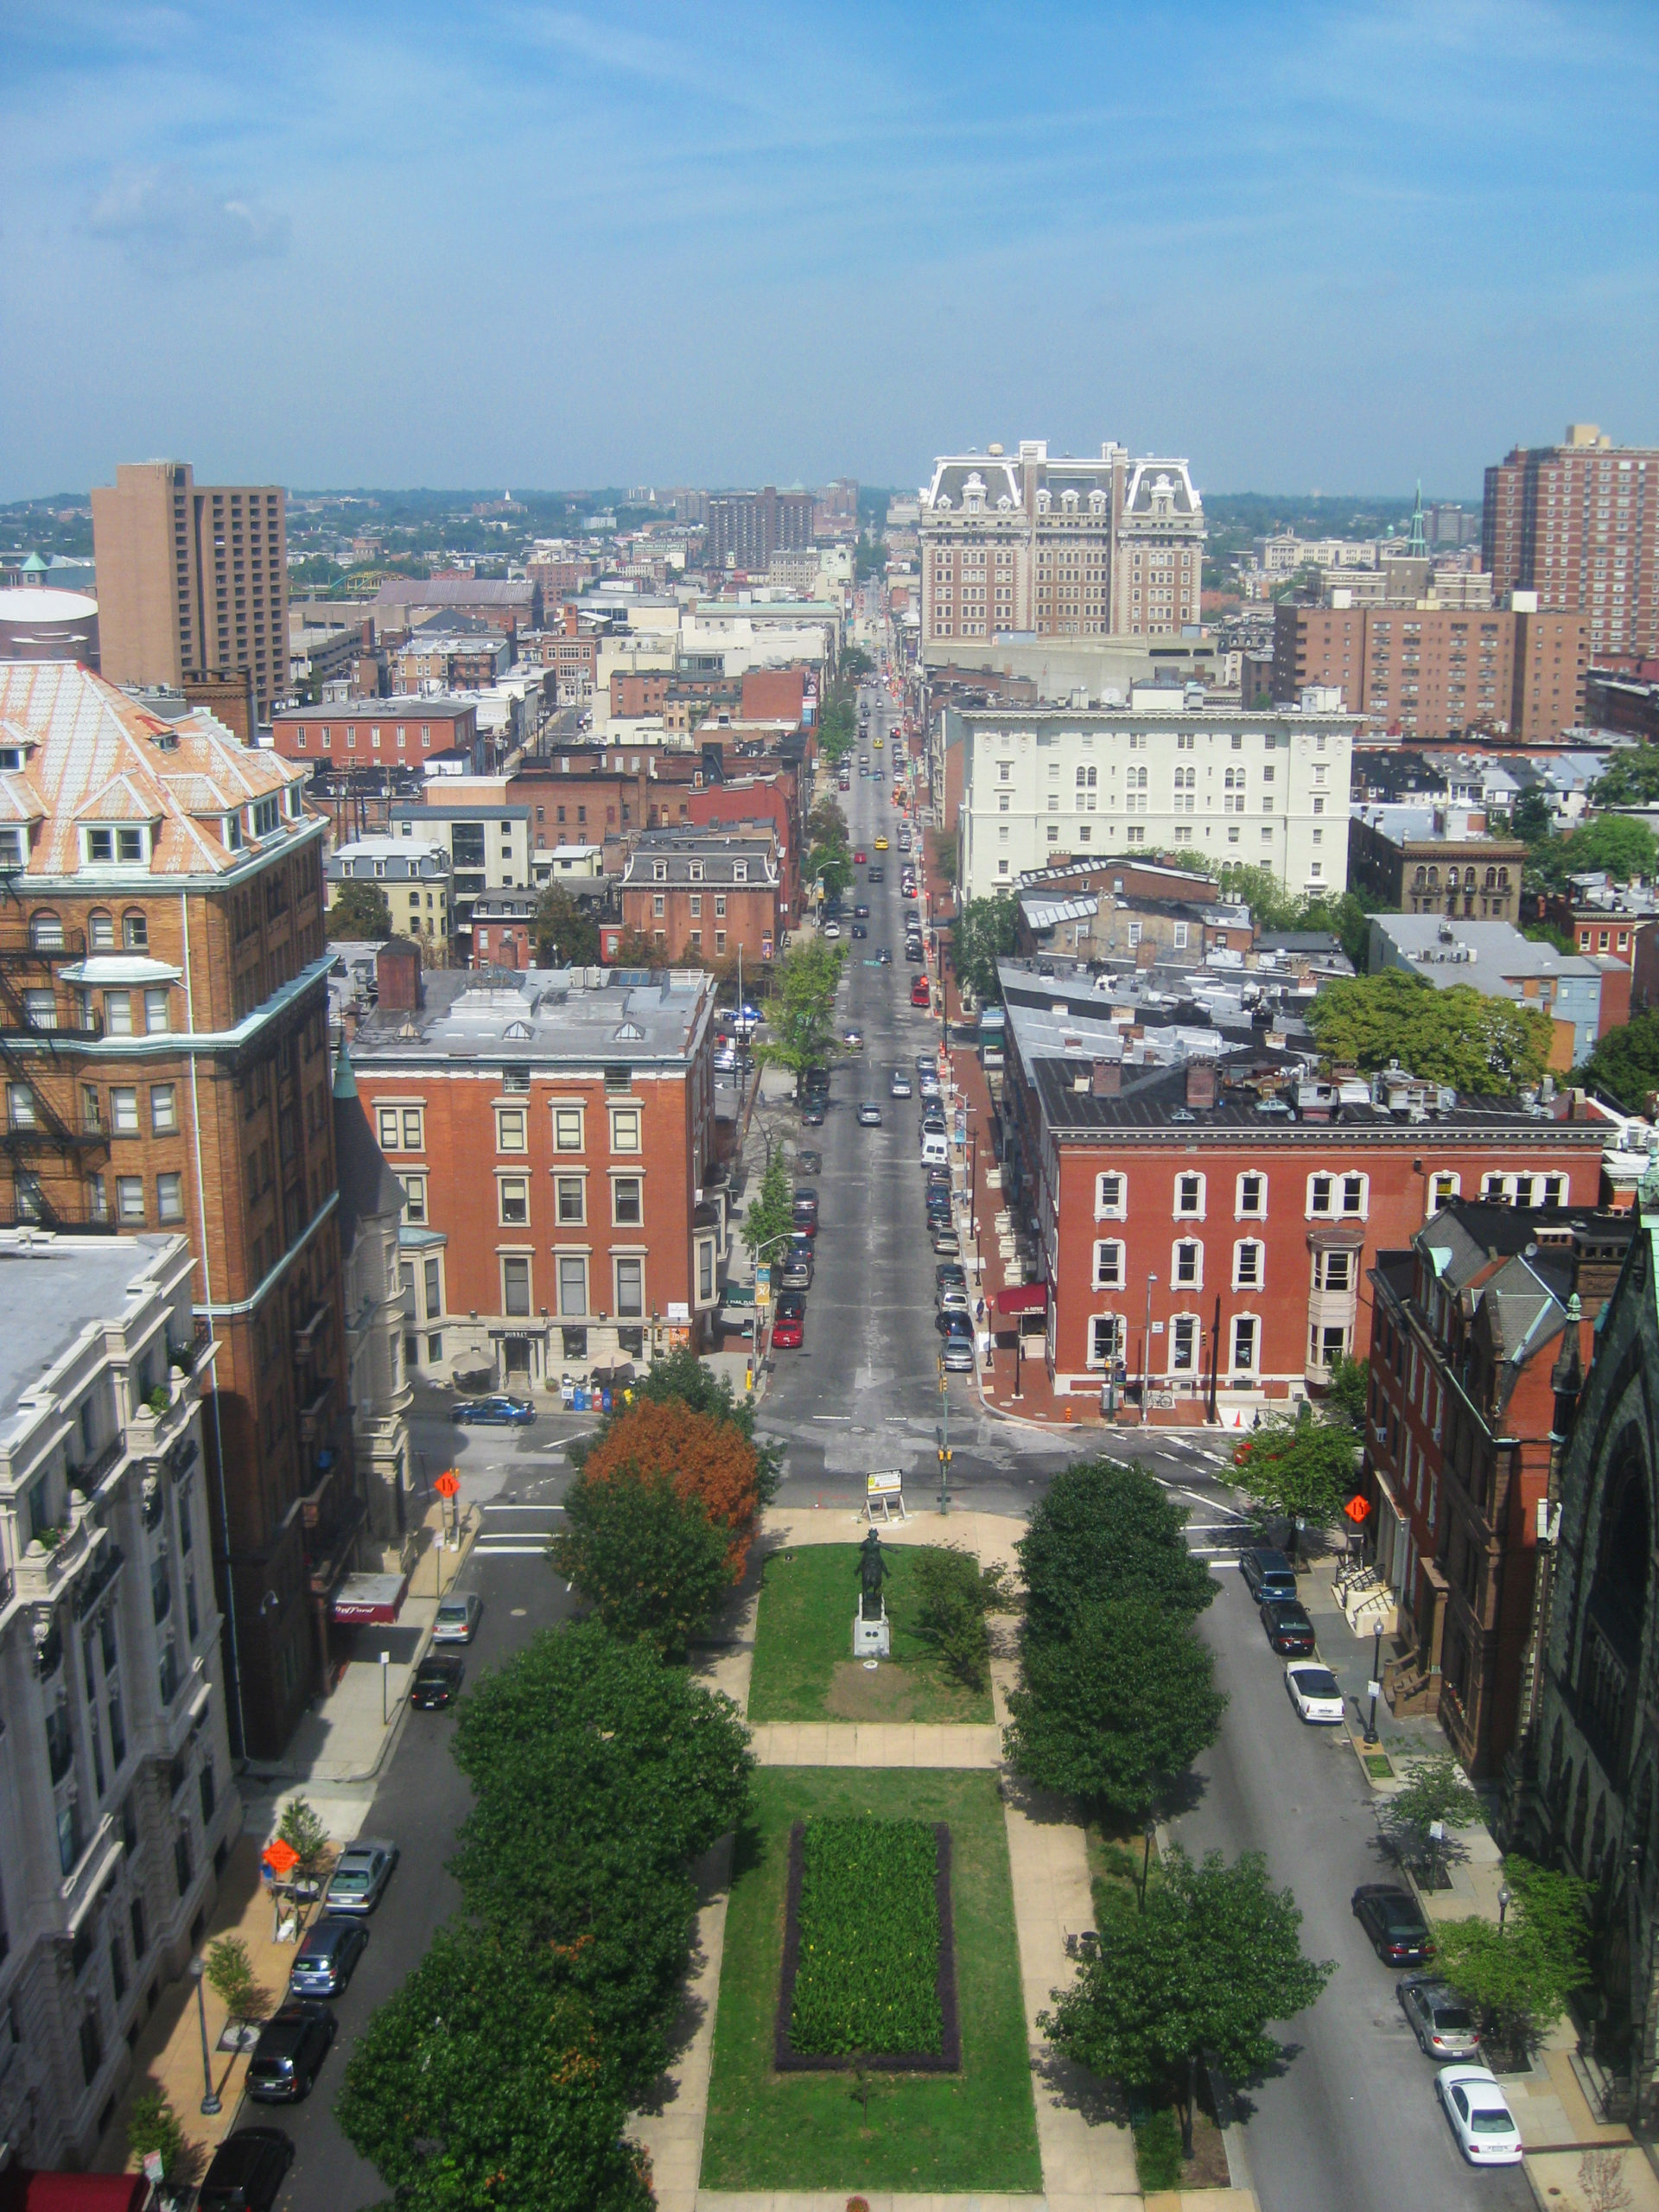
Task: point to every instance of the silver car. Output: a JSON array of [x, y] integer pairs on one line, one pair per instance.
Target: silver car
[[958, 1356], [1438, 2018], [458, 1618], [361, 1876], [954, 1299]]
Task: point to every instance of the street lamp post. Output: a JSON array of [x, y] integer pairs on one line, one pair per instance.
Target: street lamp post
[[1502, 1906], [210, 2103], [1145, 1353], [1374, 1685]]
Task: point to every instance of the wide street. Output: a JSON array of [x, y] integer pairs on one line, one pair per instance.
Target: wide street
[[1351, 2119]]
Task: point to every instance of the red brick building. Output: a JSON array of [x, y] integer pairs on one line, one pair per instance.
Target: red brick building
[[375, 732], [1468, 1400], [1434, 671], [553, 1148], [636, 693], [745, 802], [1210, 1225], [780, 694], [706, 898], [1578, 524]]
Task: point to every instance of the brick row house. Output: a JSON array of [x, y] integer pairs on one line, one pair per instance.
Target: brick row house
[[1465, 1413], [703, 897], [163, 1027], [1203, 1216], [553, 1131]]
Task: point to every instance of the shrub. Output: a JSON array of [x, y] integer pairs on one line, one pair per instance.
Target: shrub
[[954, 1597], [1158, 2148], [153, 2125], [867, 1980]]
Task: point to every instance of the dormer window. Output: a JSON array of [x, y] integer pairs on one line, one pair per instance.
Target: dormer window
[[233, 833], [265, 814], [696, 871], [11, 756], [295, 802], [12, 848], [116, 846], [659, 871], [739, 871]]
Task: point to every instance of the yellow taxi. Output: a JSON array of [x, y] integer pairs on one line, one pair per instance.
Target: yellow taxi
[[880, 844], [878, 745]]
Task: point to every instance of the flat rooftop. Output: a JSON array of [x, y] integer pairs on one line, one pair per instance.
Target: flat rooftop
[[52, 1289], [557, 1014]]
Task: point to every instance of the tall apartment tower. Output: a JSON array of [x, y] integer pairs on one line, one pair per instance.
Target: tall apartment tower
[[1064, 548], [1578, 524], [749, 527], [192, 579], [164, 1053]]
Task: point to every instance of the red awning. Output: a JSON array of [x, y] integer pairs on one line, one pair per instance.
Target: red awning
[[1023, 1297], [368, 1600], [23, 2191]]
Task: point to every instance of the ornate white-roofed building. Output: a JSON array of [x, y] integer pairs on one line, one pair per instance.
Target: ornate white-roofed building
[[1059, 547]]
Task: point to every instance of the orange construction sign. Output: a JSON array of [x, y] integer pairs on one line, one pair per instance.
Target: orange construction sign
[[279, 1858], [447, 1482], [1357, 1509]]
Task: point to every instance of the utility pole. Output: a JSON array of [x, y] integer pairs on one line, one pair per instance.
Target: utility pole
[[1145, 1353], [942, 1433]]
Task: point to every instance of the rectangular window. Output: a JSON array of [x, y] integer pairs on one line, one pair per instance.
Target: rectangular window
[[572, 1283], [1105, 1339], [624, 1129], [572, 1201], [155, 1013], [124, 1111], [510, 1128], [1109, 1197], [515, 1287], [1353, 1194], [1109, 1265], [705, 1270], [512, 1200], [1247, 1266], [170, 1198], [414, 1197], [1189, 1195], [1184, 1344], [627, 1201], [566, 1129], [434, 1285], [1336, 1270], [630, 1289], [118, 1014], [1244, 1343], [1319, 1193], [164, 1109], [1189, 1266], [1443, 1188], [130, 1198], [1252, 1197]]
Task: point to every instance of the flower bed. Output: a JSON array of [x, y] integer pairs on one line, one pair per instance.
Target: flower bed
[[869, 1967]]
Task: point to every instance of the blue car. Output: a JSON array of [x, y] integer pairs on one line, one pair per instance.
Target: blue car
[[497, 1411]]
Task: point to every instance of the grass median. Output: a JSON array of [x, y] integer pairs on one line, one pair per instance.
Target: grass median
[[972, 2130], [803, 1667]]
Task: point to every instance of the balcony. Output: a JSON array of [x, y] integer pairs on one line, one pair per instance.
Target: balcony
[[316, 1415], [154, 1429], [309, 1330], [89, 1479], [190, 1358]]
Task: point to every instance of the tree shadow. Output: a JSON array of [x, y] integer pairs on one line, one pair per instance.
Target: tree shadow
[[1072, 2087]]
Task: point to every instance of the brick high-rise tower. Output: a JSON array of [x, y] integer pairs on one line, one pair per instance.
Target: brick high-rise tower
[[1579, 523], [164, 1051], [192, 579]]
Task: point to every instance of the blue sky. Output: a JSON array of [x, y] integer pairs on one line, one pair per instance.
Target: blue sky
[[1331, 246]]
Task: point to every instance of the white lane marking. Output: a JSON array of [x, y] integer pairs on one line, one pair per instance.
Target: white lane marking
[[491, 1550]]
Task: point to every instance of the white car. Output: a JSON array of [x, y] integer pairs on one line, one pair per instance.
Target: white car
[[1482, 2122], [1315, 1691], [955, 1300], [832, 929]]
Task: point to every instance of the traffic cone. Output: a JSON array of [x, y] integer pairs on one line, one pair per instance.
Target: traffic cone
[[1238, 1420]]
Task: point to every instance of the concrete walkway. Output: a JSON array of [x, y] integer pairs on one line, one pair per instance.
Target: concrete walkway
[[878, 1742]]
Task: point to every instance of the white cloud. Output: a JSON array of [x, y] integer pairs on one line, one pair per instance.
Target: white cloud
[[168, 220]]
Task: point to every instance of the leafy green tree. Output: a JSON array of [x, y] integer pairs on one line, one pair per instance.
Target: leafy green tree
[[947, 855], [635, 950], [1625, 1063], [485, 2081], [1348, 1390], [1126, 1702], [1533, 817], [855, 664], [229, 1969], [1302, 1469], [1615, 842], [1630, 778], [1487, 1046], [869, 560], [680, 1375], [650, 1563], [770, 1212], [154, 2128], [802, 1011], [1105, 1531], [1519, 1974], [983, 933], [954, 1595], [1195, 1977], [831, 869], [564, 932], [302, 1830], [826, 824], [1435, 1790], [361, 910]]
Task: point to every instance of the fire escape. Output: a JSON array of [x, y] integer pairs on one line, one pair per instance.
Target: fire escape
[[31, 1126]]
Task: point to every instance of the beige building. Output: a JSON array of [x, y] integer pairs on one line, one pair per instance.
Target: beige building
[[1064, 548], [192, 579]]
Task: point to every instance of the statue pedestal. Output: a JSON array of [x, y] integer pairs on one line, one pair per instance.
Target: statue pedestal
[[871, 1639]]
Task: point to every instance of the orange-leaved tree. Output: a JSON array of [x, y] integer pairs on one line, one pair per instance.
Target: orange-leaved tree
[[710, 1460]]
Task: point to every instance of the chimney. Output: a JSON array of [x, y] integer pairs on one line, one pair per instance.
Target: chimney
[[1200, 1083], [228, 695], [398, 976], [1107, 1079], [1599, 1250]]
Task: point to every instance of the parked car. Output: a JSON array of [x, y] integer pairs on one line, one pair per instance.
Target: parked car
[[792, 1305], [869, 1114], [247, 2172], [1481, 2120], [804, 1204], [919, 994], [327, 1955], [1266, 1573], [1391, 1918], [948, 1271], [1315, 1691], [812, 1112], [808, 1162], [947, 1245], [789, 1331], [1438, 2018], [1289, 1629], [498, 1410], [360, 1875], [292, 2045], [959, 1355], [954, 1325], [900, 1087], [832, 929], [795, 1274], [459, 1615], [954, 1299], [437, 1682]]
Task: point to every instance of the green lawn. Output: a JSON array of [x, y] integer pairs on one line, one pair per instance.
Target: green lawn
[[975, 2130], [803, 1663]]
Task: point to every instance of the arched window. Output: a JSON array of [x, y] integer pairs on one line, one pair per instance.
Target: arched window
[[100, 930], [1420, 879], [1491, 879], [46, 930], [1434, 879], [1468, 879], [134, 930]]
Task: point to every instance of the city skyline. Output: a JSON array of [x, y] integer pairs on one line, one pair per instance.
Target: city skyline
[[1340, 249]]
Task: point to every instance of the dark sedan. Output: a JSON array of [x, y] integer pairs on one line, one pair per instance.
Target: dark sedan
[[327, 1956], [956, 1324], [437, 1682], [292, 2045], [1288, 1628], [249, 2169], [497, 1411], [1392, 1919]]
